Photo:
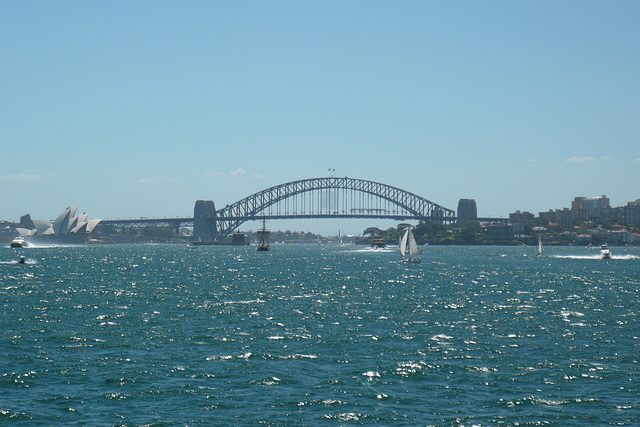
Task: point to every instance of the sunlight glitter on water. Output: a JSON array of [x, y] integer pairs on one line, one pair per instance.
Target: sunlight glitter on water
[[150, 334]]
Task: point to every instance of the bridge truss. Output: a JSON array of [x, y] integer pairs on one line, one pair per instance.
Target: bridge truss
[[330, 198]]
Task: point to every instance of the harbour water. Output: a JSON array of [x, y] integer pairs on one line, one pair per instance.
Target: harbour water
[[319, 335]]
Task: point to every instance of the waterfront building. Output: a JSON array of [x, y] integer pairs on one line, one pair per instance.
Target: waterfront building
[[596, 206], [518, 216], [584, 239], [632, 214], [561, 217], [67, 228], [578, 211], [582, 208], [500, 231], [238, 239], [619, 234], [518, 220]]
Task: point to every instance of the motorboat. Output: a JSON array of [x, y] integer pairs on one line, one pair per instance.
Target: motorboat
[[19, 242], [605, 253]]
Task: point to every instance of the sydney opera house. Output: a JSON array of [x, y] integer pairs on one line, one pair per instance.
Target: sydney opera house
[[66, 228]]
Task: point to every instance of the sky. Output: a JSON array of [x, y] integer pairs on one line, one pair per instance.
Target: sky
[[131, 109]]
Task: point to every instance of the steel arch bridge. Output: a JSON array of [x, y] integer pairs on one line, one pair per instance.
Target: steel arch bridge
[[331, 197]]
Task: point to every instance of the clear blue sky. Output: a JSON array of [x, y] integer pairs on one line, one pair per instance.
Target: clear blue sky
[[140, 108]]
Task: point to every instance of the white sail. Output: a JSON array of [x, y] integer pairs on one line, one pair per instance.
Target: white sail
[[539, 245], [413, 246], [403, 243]]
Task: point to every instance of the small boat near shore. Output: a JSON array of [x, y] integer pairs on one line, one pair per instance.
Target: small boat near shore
[[378, 242], [19, 242], [605, 253], [540, 249], [264, 234]]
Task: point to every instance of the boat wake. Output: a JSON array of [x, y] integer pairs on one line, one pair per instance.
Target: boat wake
[[374, 250], [598, 256], [52, 245], [17, 262]]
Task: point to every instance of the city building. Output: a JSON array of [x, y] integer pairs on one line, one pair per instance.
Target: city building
[[500, 231], [582, 208], [632, 214], [561, 217], [518, 216], [518, 220]]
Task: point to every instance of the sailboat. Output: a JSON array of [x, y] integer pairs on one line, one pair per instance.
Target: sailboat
[[540, 250], [264, 243], [408, 247]]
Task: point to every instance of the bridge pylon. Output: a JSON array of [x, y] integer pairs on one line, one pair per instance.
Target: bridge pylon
[[204, 221]]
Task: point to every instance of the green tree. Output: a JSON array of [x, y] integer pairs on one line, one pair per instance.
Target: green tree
[[157, 234], [430, 232], [371, 231], [471, 232]]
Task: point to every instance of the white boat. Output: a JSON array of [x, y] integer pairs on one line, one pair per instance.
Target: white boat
[[408, 247], [605, 253], [540, 249], [19, 242]]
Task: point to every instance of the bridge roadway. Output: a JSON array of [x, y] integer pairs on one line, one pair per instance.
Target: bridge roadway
[[176, 223], [172, 223]]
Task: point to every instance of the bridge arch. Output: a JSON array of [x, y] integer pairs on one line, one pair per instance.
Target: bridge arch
[[332, 197]]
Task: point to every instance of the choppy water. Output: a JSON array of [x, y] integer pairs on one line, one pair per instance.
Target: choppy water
[[310, 335]]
